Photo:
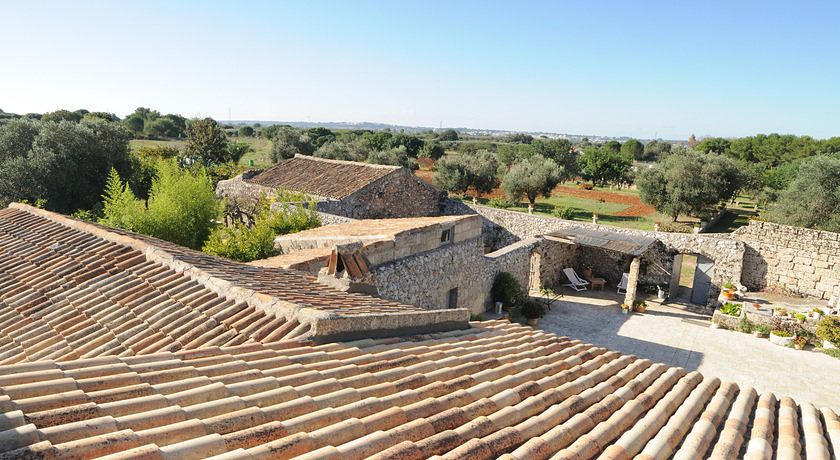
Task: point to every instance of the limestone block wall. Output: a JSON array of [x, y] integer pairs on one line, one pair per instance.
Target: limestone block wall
[[399, 194], [426, 279], [503, 227], [797, 260]]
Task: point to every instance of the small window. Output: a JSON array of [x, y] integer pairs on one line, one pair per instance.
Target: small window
[[446, 236], [453, 298]]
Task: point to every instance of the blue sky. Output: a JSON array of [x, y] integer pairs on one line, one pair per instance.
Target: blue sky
[[642, 69]]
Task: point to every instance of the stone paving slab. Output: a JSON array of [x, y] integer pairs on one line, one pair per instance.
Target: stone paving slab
[[680, 338]]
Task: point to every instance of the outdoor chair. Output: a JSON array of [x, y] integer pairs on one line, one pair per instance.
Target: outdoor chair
[[622, 286], [575, 282]]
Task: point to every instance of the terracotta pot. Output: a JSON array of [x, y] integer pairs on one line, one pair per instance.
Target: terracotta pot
[[533, 321], [641, 308], [728, 294]]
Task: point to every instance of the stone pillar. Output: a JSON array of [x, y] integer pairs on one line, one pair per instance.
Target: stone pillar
[[633, 279]]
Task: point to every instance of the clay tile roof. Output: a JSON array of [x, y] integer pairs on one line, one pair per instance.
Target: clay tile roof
[[81, 285], [67, 294], [495, 390], [321, 177]]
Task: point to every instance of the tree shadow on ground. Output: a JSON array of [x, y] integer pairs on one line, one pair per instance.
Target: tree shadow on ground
[[596, 318]]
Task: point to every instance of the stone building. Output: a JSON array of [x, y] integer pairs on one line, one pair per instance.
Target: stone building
[[344, 188], [121, 346]]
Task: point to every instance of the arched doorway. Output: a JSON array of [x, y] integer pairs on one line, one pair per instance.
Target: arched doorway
[[691, 279]]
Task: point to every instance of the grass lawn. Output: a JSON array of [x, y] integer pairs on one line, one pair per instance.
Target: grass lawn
[[261, 155], [583, 209]]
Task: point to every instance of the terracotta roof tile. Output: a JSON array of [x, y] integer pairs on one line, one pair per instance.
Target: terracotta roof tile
[[318, 176], [531, 395]]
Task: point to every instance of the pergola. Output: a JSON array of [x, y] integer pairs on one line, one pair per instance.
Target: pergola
[[623, 243]]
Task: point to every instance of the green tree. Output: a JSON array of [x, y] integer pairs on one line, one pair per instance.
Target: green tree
[[655, 150], [62, 115], [348, 151], [531, 177], [612, 146], [396, 156], [604, 165], [433, 150], [690, 183], [319, 136], [246, 131], [181, 208], [206, 143], [458, 173], [812, 199], [560, 151], [452, 174], [65, 163], [520, 138], [633, 149], [288, 142], [448, 135], [716, 145], [412, 144]]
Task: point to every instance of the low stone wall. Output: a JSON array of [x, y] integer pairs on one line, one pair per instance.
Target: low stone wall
[[791, 259], [503, 227]]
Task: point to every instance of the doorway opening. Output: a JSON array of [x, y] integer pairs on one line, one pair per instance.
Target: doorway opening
[[692, 278]]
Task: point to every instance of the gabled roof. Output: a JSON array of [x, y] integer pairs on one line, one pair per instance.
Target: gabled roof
[[322, 177], [496, 390], [71, 289]]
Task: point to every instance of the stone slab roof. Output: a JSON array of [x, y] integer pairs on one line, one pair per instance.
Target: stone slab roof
[[496, 390], [321, 177], [289, 296], [375, 229]]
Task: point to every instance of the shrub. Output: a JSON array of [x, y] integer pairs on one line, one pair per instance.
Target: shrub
[[251, 242], [781, 333], [829, 329], [182, 206], [562, 212], [799, 317], [586, 186], [731, 309], [675, 227], [746, 325], [499, 203], [532, 310], [762, 329], [506, 289], [833, 352]]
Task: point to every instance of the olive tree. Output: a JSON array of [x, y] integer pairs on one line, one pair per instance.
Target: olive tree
[[531, 177], [812, 199], [689, 183]]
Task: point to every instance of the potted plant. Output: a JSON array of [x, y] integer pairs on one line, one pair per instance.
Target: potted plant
[[532, 311], [761, 331], [799, 342], [728, 291], [781, 338], [731, 309], [641, 306], [816, 313], [507, 290], [800, 317], [828, 330], [626, 309]]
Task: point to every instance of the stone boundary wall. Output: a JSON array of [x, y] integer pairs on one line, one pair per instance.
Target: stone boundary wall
[[502, 227], [791, 259]]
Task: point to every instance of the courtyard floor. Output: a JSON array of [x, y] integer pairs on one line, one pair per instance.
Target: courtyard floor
[[677, 337]]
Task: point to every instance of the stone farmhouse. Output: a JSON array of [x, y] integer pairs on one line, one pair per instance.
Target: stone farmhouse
[[121, 346], [343, 188]]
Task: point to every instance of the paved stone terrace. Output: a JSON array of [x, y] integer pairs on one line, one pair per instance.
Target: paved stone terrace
[[679, 338]]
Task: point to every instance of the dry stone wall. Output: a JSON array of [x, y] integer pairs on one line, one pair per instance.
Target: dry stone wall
[[791, 259], [503, 227]]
